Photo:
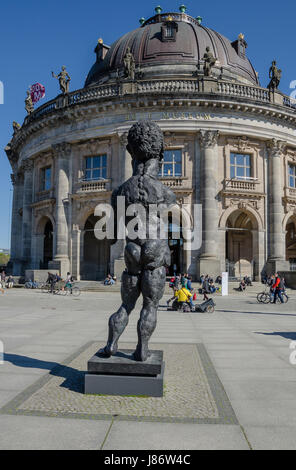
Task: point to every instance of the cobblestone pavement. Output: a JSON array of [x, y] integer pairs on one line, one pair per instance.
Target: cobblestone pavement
[[236, 358], [187, 391]]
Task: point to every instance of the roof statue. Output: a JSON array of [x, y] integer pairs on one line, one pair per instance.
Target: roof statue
[[275, 75], [64, 80], [129, 64], [209, 62], [29, 107]]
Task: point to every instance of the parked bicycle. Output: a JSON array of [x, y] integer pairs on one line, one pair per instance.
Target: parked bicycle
[[32, 285]]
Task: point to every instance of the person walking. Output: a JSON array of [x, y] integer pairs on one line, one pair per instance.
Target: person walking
[[2, 279], [10, 282], [174, 284], [205, 287], [278, 288]]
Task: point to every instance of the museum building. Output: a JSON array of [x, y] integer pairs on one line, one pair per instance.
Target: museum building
[[230, 145]]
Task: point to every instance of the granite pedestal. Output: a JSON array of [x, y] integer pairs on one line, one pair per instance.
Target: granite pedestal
[[123, 375]]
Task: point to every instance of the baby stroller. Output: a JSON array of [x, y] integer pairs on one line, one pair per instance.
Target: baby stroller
[[208, 306]]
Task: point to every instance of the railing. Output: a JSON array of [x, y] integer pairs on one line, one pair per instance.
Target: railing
[[168, 86], [175, 17], [241, 185], [173, 182], [87, 186], [43, 195], [291, 192], [160, 87], [244, 91]]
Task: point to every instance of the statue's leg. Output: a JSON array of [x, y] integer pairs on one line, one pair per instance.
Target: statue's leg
[[130, 291], [152, 287]]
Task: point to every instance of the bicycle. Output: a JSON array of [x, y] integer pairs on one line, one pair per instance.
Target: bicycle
[[70, 290], [268, 297], [67, 290]]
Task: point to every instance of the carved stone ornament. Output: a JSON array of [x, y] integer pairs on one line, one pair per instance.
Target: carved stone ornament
[[208, 139], [62, 149], [123, 139], [276, 147], [27, 165], [242, 143]]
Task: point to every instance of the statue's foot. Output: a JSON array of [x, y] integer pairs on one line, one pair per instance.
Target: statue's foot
[[141, 354], [108, 351]]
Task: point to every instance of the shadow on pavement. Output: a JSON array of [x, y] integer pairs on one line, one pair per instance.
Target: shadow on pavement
[[74, 379], [285, 334]]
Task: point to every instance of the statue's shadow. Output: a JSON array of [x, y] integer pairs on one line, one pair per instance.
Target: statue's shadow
[[74, 379]]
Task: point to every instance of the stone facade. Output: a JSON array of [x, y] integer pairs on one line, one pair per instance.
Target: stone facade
[[248, 224]]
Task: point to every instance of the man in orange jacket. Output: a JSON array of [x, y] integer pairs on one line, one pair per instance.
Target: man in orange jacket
[[278, 288]]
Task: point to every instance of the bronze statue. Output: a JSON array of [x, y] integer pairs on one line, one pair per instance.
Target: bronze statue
[[146, 258], [209, 62], [64, 80], [29, 107], [129, 64], [275, 75]]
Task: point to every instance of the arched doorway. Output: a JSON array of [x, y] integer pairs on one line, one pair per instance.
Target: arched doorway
[[96, 253], [241, 246], [48, 244], [291, 242], [43, 243]]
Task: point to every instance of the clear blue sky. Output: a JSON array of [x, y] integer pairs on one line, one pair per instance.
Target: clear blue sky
[[38, 37]]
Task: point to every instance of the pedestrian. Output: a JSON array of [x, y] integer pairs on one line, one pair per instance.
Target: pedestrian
[[205, 288], [2, 279], [184, 296], [69, 281], [278, 288], [174, 284], [10, 282]]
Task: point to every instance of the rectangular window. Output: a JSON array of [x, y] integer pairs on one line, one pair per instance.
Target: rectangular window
[[172, 164], [95, 168], [240, 166], [292, 176], [45, 179], [169, 32]]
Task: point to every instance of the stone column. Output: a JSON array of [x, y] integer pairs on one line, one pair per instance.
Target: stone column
[[27, 214], [61, 250], [37, 250], [76, 233], [16, 224], [126, 158], [209, 262], [277, 242]]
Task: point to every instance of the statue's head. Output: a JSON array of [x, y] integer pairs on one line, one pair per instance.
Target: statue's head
[[145, 141], [208, 49], [63, 67]]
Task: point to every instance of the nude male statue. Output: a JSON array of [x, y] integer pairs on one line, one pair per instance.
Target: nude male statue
[[146, 259]]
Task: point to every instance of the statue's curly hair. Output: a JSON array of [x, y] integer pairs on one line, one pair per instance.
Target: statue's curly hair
[[145, 141]]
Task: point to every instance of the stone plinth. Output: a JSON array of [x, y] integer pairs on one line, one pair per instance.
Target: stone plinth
[[39, 275], [123, 375]]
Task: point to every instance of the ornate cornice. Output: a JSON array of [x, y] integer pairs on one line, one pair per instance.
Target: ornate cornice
[[208, 139]]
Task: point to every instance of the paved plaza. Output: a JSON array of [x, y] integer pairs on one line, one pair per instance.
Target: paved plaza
[[229, 383]]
